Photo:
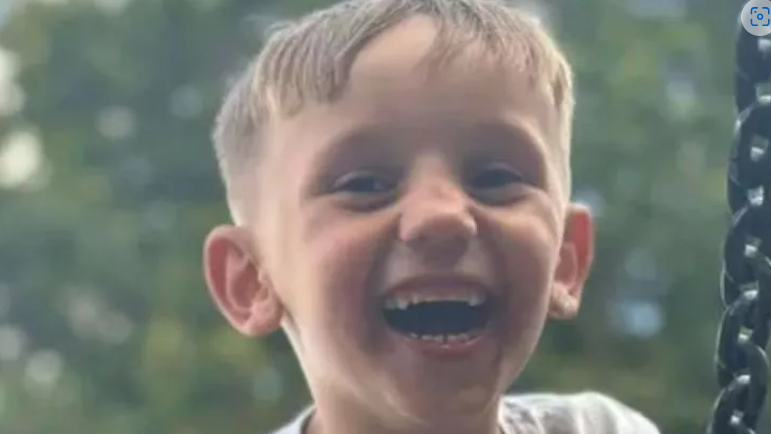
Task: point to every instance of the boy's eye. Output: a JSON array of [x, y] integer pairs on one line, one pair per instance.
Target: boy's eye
[[495, 184], [493, 177], [363, 183]]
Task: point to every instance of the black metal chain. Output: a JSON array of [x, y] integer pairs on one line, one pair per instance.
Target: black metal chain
[[741, 360]]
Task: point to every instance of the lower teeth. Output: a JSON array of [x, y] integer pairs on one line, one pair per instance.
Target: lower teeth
[[443, 339]]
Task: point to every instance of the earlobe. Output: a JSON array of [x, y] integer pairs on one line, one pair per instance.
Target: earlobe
[[238, 285], [575, 261]]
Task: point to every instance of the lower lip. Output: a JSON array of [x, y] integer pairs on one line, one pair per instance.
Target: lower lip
[[451, 349]]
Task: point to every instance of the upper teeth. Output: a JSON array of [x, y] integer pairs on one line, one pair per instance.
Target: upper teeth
[[402, 301]]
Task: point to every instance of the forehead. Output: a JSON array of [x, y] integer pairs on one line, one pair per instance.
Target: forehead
[[395, 83], [413, 56]]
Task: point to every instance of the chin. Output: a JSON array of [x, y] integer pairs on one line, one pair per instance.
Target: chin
[[431, 406]]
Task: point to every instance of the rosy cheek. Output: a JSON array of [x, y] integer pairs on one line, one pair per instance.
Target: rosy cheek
[[526, 246], [344, 248]]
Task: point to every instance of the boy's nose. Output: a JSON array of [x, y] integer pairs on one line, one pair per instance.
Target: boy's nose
[[436, 223]]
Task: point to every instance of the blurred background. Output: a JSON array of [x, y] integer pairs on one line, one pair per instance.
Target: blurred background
[[108, 186]]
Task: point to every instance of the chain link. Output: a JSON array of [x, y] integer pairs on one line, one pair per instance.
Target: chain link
[[741, 361]]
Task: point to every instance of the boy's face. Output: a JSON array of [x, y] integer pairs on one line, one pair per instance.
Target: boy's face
[[412, 237]]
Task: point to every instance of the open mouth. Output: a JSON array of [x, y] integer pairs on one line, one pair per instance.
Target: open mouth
[[442, 318]]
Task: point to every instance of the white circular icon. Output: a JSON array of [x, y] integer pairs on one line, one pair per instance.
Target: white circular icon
[[756, 17]]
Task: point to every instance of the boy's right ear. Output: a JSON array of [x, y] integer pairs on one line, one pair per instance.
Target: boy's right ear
[[237, 283]]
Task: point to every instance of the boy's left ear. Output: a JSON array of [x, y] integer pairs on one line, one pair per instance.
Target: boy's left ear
[[575, 261]]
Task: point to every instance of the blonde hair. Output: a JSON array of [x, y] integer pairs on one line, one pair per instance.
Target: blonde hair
[[309, 61]]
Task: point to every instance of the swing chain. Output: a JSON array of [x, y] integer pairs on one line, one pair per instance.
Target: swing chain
[[741, 360]]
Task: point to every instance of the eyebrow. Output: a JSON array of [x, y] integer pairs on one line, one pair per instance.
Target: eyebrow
[[514, 139], [368, 144], [503, 133], [359, 142], [376, 142]]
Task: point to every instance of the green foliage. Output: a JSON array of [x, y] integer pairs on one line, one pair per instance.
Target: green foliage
[[105, 324]]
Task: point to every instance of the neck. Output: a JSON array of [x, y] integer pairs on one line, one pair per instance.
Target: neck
[[334, 419]]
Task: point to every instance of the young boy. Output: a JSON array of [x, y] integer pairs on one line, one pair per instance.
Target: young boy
[[398, 174]]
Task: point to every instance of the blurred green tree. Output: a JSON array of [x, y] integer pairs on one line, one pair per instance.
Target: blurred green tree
[[105, 325]]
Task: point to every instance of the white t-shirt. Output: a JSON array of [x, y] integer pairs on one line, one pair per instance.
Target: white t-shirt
[[581, 413]]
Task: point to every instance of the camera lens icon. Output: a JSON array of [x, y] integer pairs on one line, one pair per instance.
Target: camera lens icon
[[756, 17]]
